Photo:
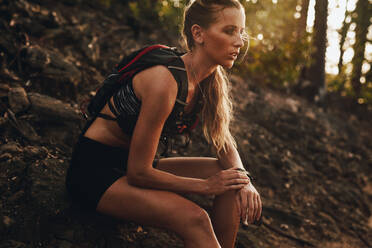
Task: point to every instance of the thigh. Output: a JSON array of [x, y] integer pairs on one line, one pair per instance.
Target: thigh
[[196, 167], [147, 206]]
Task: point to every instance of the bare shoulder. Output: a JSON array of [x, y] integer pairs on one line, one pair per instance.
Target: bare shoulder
[[156, 81]]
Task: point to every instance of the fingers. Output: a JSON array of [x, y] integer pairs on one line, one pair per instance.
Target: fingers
[[232, 177], [244, 207], [251, 207], [225, 180], [233, 174], [256, 208], [237, 181], [259, 208], [234, 186]]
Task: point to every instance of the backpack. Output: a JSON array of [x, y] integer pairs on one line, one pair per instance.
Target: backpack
[[131, 65]]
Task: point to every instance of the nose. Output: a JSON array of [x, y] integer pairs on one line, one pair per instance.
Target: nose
[[239, 41]]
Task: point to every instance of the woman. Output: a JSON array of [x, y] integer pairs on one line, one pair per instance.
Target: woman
[[149, 194]]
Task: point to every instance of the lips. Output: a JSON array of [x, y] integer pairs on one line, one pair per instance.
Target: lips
[[234, 55]]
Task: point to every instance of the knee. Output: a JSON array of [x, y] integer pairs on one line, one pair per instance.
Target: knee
[[197, 229], [198, 218]]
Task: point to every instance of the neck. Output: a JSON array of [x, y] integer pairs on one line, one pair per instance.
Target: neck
[[197, 66]]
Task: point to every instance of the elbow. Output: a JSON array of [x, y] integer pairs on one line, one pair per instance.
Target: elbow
[[137, 179], [134, 180]]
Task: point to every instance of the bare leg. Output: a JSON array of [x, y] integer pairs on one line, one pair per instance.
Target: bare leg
[[225, 217], [159, 208]]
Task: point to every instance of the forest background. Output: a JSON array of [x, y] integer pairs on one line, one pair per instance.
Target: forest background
[[302, 99], [314, 48]]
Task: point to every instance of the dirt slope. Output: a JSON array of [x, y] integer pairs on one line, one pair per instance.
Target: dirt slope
[[312, 166]]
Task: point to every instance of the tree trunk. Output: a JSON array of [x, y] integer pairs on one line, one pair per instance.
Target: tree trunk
[[316, 73], [300, 35], [362, 20], [303, 19], [343, 33]]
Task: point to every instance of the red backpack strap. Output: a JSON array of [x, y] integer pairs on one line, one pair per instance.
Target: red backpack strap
[[141, 53]]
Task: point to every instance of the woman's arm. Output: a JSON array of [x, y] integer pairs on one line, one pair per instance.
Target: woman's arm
[[230, 158], [157, 90], [248, 199]]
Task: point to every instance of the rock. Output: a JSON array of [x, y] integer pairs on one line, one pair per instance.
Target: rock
[[24, 128], [72, 2], [10, 78], [18, 100], [47, 189], [7, 221], [17, 166], [58, 74], [53, 109], [65, 244], [34, 152], [34, 18], [5, 156], [12, 244], [60, 134], [4, 90], [16, 197], [93, 76], [7, 44], [293, 104], [32, 27], [5, 224], [11, 147], [91, 48], [3, 121], [284, 227], [65, 235]]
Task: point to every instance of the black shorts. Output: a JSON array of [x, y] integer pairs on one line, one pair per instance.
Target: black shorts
[[94, 167]]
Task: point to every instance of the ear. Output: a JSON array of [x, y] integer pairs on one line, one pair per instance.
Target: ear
[[197, 34]]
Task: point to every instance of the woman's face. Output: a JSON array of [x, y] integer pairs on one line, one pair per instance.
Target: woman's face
[[223, 38]]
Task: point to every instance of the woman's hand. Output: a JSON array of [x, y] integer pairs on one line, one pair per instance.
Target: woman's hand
[[249, 204], [230, 179]]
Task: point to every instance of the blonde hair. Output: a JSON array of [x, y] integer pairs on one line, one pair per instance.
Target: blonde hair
[[216, 113]]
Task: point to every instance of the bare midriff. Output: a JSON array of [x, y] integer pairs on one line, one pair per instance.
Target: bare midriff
[[107, 131]]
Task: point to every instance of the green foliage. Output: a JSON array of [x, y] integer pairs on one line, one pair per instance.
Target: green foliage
[[278, 57], [106, 3], [164, 14], [341, 84]]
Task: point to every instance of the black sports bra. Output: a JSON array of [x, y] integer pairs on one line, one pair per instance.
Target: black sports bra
[[127, 108]]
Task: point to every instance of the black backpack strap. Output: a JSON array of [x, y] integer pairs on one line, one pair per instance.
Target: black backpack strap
[[177, 68], [107, 117], [112, 109]]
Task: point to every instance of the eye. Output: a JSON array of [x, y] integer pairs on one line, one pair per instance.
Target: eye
[[230, 31]]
